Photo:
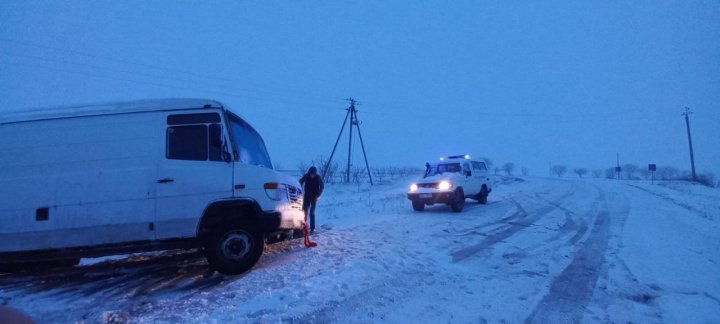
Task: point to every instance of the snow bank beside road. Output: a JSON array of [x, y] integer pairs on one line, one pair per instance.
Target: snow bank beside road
[[671, 244]]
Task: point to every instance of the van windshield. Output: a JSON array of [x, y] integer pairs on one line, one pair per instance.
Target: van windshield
[[443, 168], [250, 145]]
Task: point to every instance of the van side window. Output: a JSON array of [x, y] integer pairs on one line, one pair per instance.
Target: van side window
[[187, 143], [476, 166], [483, 166]]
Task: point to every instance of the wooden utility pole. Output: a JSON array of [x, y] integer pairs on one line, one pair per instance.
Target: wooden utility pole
[[692, 157], [352, 115]]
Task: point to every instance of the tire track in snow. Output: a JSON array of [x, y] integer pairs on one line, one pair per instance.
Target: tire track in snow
[[517, 221], [572, 290]]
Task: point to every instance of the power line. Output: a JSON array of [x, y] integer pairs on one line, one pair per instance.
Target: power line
[[140, 74], [168, 86], [224, 80]]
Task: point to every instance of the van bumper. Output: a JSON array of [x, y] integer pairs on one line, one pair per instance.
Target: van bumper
[[280, 220], [432, 198]]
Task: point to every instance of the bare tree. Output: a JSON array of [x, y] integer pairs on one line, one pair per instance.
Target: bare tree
[[707, 178], [559, 170], [508, 168], [302, 167], [667, 173], [409, 171], [629, 170], [496, 169], [321, 162], [393, 171], [380, 173], [610, 173], [597, 173], [580, 172], [357, 174]]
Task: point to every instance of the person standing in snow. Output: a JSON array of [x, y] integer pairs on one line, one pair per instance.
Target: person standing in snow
[[312, 189]]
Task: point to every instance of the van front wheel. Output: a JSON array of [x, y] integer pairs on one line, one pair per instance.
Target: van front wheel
[[458, 202], [235, 249]]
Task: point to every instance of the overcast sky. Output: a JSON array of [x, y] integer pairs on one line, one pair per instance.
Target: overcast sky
[[529, 82]]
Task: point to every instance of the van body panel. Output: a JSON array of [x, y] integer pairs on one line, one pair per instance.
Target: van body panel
[[91, 172]]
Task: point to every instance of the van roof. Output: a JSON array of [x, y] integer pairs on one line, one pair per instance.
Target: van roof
[[106, 109]]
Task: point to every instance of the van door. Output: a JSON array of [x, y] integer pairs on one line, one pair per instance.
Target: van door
[[471, 185], [481, 174], [192, 173]]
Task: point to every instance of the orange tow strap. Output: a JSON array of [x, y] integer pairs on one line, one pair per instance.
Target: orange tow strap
[[308, 243]]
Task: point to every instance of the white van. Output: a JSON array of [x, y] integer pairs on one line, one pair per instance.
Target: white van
[[450, 182], [137, 176]]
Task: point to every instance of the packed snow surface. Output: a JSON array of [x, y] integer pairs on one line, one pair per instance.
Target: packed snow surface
[[540, 251]]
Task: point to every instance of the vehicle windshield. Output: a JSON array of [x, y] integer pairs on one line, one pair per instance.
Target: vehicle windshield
[[442, 168], [250, 146]]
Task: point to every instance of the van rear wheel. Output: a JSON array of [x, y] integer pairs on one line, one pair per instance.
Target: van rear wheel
[[482, 196], [234, 249]]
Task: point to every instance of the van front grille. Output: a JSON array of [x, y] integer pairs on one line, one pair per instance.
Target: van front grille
[[296, 197]]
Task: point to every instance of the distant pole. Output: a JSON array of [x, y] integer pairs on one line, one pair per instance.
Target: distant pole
[[352, 116], [692, 157]]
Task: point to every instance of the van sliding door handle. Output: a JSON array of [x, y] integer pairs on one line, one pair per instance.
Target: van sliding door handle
[[165, 180]]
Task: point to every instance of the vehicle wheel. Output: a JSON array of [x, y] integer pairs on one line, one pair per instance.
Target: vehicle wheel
[[458, 204], [418, 206], [235, 249], [482, 196]]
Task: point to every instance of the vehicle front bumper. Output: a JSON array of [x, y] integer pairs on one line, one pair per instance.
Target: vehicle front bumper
[[432, 197], [283, 218]]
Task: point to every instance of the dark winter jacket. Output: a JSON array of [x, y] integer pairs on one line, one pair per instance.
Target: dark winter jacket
[[312, 186]]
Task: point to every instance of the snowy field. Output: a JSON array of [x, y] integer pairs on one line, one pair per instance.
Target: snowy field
[[541, 251]]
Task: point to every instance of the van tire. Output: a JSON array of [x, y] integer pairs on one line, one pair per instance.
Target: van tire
[[418, 206], [482, 196], [234, 249], [458, 202]]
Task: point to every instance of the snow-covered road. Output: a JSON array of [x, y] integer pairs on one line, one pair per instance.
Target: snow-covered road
[[541, 251]]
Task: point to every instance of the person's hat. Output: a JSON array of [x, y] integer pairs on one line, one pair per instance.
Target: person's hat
[[313, 170]]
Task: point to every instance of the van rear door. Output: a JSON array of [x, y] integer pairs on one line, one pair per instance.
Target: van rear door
[[192, 173]]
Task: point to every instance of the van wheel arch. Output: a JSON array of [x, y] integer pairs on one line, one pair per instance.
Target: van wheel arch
[[227, 212]]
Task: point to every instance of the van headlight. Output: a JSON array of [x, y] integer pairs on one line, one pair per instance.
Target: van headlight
[[444, 185], [413, 187], [276, 191]]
